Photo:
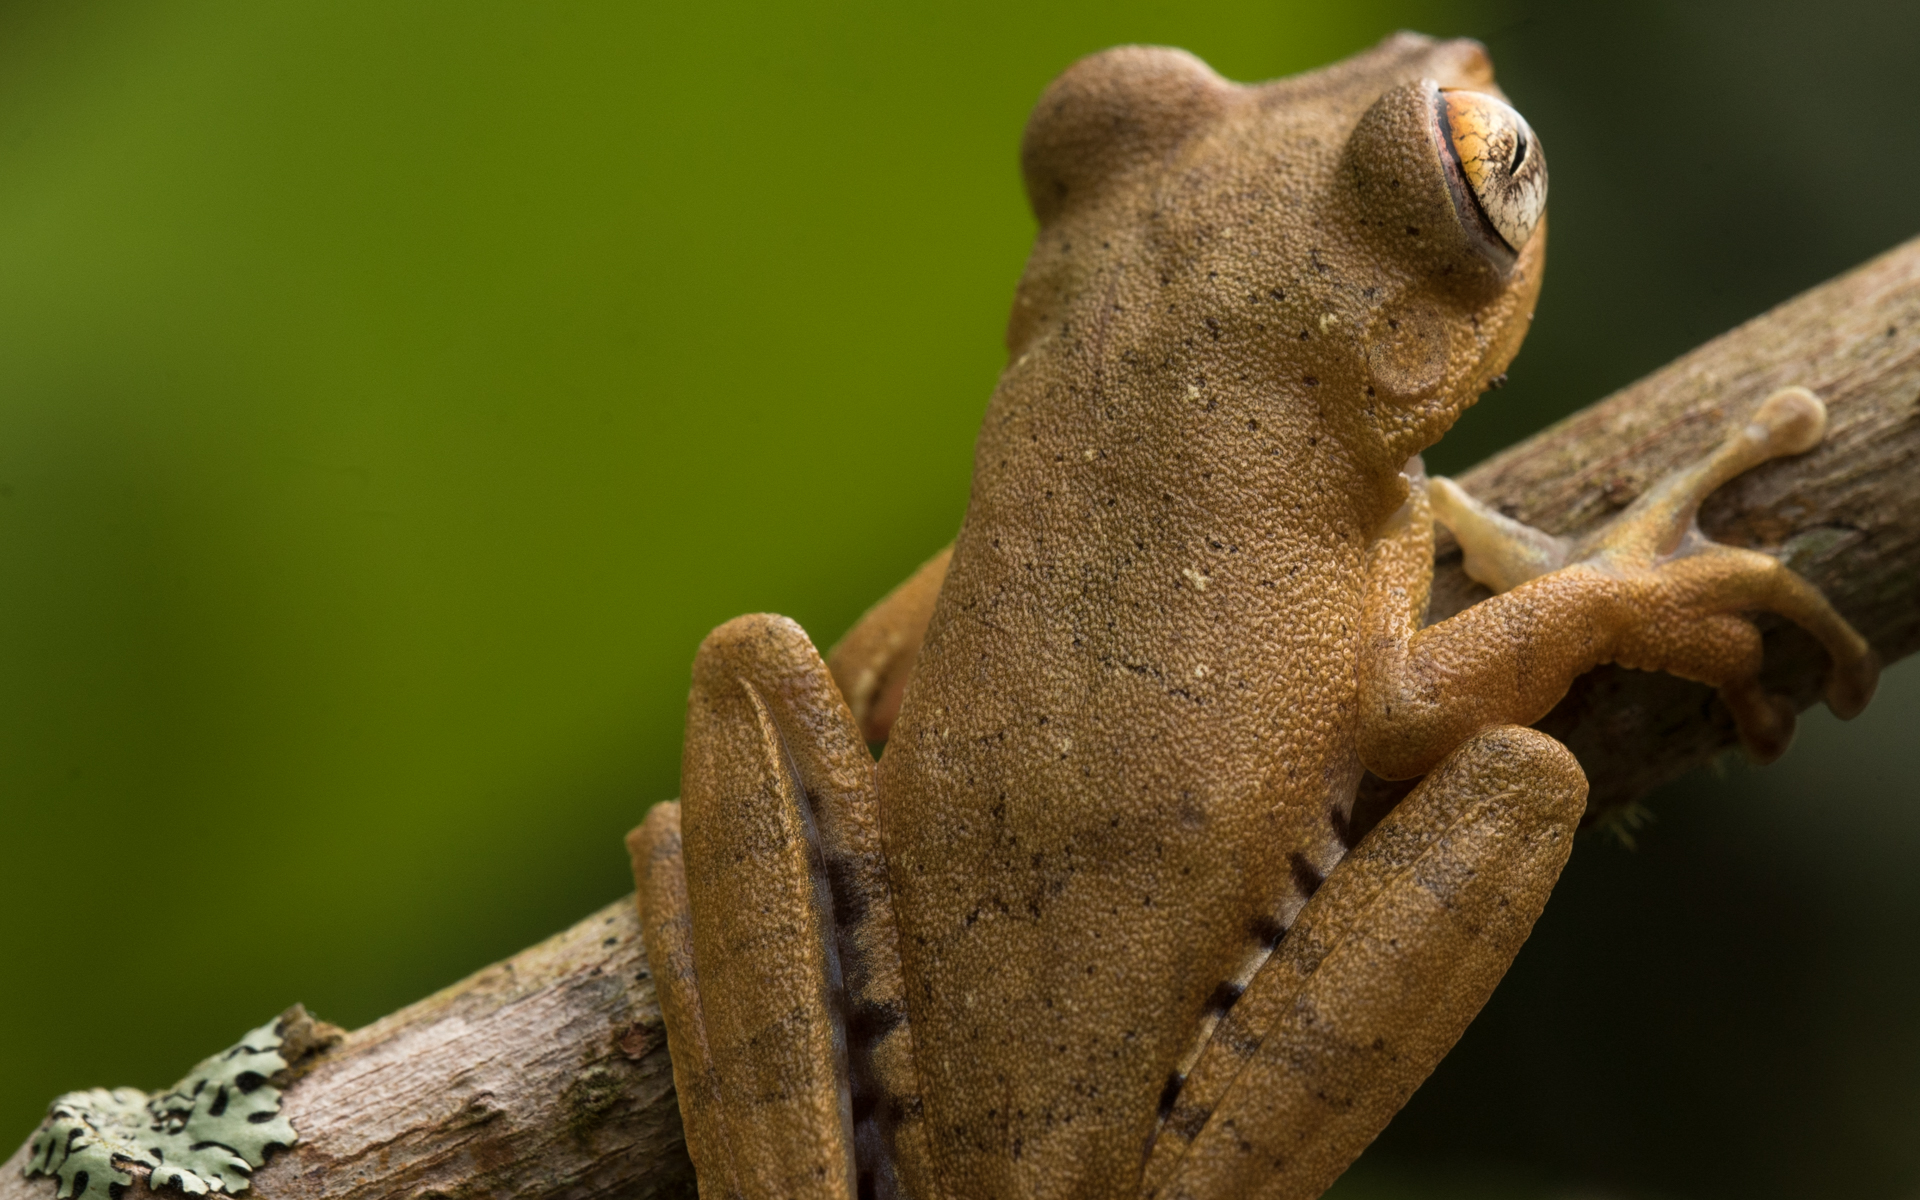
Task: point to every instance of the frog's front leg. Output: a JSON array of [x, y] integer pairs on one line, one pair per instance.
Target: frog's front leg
[[1646, 590], [1377, 978], [770, 934]]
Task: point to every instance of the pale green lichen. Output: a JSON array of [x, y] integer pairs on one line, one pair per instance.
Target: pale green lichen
[[205, 1134]]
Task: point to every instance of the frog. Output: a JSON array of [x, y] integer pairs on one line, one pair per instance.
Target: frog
[[1102, 919]]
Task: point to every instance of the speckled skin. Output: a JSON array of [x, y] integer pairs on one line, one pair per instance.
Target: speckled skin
[[1070, 938]]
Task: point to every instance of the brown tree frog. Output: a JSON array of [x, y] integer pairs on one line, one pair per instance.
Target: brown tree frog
[[1100, 922]]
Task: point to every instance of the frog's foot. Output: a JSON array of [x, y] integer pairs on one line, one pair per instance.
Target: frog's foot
[[1680, 594]]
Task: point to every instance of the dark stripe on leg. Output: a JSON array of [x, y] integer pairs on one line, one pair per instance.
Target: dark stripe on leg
[[1341, 816], [1267, 931], [1225, 996], [1171, 1093]]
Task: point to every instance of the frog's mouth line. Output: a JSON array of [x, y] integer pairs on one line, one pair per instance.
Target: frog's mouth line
[[1466, 205]]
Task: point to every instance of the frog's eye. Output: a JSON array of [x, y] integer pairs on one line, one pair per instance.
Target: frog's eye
[[1496, 162]]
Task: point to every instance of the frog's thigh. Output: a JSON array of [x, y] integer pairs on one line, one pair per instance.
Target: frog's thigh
[[874, 661], [1377, 979], [741, 925]]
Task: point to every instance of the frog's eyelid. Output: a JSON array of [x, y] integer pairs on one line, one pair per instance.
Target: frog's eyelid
[[1470, 204], [1466, 201]]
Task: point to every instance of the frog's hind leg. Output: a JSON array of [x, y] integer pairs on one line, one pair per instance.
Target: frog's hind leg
[[1376, 979], [1691, 589], [769, 928]]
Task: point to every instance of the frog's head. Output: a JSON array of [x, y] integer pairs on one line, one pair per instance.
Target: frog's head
[[1362, 243]]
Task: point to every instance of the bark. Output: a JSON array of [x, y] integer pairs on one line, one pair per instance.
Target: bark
[[547, 1075]]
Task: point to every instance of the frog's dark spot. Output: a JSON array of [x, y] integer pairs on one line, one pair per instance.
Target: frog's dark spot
[[1413, 231], [1306, 876], [1277, 294], [1310, 381], [850, 900], [1342, 821], [1171, 1093], [1225, 997]]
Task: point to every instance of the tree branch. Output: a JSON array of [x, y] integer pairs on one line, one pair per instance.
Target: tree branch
[[542, 1076], [547, 1075]]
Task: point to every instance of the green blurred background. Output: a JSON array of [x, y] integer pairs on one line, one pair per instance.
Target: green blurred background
[[391, 395]]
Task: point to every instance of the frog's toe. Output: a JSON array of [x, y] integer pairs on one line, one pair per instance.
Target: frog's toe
[[1660, 523], [1765, 721], [1791, 421], [1498, 551], [1852, 684]]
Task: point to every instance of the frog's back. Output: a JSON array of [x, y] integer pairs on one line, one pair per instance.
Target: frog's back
[[1125, 760]]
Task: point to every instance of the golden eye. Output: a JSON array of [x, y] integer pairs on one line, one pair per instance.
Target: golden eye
[[1499, 161]]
